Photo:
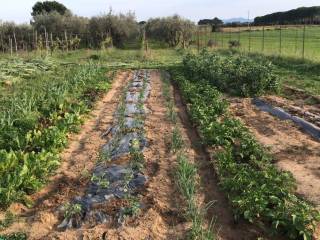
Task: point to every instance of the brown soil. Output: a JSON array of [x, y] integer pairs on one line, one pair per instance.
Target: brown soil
[[297, 107], [293, 150], [300, 96]]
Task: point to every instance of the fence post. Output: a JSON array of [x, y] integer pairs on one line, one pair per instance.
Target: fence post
[[249, 38], [222, 38], [296, 43], [263, 39], [280, 39], [303, 41], [36, 41], [239, 33], [10, 43], [46, 39], [2, 45], [15, 42], [198, 40], [66, 39]]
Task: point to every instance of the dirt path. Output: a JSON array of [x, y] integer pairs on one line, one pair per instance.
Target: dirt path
[[293, 150]]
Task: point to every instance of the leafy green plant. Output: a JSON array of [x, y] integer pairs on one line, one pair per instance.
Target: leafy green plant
[[7, 221], [35, 121], [72, 210], [134, 207], [176, 140], [256, 189], [100, 180], [136, 155], [14, 236], [235, 74]]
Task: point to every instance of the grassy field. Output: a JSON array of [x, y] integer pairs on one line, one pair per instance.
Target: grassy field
[[285, 42]]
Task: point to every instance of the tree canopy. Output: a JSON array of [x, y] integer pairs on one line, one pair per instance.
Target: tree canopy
[[48, 7], [172, 30], [213, 22], [295, 16]]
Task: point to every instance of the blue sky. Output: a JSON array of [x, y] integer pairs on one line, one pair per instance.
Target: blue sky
[[19, 10]]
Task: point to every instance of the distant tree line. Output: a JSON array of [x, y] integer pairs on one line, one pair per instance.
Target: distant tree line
[[54, 26], [303, 15], [215, 23]]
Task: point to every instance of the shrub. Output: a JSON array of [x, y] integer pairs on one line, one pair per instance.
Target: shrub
[[237, 74]]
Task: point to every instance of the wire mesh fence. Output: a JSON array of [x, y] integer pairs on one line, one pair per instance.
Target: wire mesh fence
[[299, 41]]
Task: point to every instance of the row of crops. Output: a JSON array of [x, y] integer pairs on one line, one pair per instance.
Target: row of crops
[[257, 191], [36, 116], [14, 70]]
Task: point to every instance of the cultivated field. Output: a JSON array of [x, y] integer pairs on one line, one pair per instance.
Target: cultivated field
[[160, 144], [114, 129]]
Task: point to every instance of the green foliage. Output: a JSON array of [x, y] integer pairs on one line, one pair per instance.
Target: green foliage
[[15, 70], [186, 175], [134, 207], [36, 118], [236, 74], [72, 210], [294, 16], [7, 221], [256, 189], [171, 30], [113, 29], [136, 155], [14, 236], [48, 7], [176, 140]]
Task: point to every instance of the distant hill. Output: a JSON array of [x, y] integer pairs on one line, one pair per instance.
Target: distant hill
[[237, 20], [308, 15]]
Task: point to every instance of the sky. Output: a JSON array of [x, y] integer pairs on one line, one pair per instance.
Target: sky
[[19, 10]]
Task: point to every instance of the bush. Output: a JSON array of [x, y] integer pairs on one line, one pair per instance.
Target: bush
[[236, 74], [234, 44], [171, 30]]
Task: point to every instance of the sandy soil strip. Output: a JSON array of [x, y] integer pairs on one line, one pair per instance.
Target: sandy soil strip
[[293, 150], [71, 178], [310, 113]]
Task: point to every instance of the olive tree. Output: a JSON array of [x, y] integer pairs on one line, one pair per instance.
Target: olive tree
[[172, 30], [120, 28]]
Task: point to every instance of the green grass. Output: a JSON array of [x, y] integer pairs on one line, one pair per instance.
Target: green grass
[[291, 41]]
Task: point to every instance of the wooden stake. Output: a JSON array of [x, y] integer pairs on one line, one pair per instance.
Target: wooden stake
[[66, 39], [10, 43], [15, 42]]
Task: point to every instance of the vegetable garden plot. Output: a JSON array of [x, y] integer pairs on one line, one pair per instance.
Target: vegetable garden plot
[[293, 150], [257, 190], [118, 183]]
